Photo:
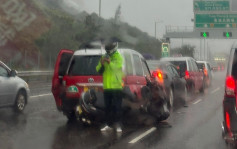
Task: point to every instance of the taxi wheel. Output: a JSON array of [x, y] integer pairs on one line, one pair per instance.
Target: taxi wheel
[[203, 87], [191, 89], [171, 99], [71, 116], [20, 102], [185, 94]]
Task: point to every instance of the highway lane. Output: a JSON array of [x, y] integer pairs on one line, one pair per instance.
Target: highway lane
[[195, 127], [42, 126]]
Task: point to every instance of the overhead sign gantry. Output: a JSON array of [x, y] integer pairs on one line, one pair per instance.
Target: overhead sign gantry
[[216, 19]]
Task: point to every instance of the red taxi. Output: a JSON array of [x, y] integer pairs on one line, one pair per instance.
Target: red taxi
[[75, 72]]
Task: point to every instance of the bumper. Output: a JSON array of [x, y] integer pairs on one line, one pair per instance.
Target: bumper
[[27, 94], [230, 135]]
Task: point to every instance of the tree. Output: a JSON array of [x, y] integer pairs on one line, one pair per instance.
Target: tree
[[117, 14], [185, 50]]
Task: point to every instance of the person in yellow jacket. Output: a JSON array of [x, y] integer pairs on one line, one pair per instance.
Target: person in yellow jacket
[[110, 65]]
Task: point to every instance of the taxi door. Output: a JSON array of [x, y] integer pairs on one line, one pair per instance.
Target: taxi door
[[60, 69]]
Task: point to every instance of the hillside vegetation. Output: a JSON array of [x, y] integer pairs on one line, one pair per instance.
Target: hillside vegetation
[[71, 31]]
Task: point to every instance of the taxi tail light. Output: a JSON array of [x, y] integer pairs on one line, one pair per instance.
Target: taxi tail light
[[227, 120], [187, 74], [230, 86], [205, 71]]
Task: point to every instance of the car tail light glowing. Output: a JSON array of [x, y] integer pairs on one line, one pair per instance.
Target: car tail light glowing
[[227, 120], [159, 75], [205, 71], [187, 75], [230, 86]]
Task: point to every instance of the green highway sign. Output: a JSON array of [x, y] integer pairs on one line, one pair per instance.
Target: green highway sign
[[216, 20], [165, 54], [211, 6], [165, 50]]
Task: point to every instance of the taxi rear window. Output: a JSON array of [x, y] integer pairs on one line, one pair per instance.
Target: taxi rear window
[[84, 66], [180, 65]]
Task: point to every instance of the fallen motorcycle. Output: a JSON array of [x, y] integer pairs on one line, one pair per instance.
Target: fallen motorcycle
[[154, 103]]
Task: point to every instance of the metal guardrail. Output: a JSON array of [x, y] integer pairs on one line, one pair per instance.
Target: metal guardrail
[[35, 76], [34, 73]]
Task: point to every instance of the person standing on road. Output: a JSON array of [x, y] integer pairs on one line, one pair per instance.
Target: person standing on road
[[110, 65]]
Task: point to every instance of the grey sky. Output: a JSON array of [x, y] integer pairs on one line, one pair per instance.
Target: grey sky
[[144, 13]]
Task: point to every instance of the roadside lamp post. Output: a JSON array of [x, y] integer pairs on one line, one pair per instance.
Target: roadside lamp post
[[99, 8], [156, 22]]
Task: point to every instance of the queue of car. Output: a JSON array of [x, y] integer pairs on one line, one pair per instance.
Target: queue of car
[[178, 76], [187, 67]]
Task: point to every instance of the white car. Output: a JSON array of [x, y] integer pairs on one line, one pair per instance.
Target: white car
[[14, 91]]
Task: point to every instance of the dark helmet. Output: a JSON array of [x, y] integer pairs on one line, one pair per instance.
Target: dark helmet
[[111, 45]]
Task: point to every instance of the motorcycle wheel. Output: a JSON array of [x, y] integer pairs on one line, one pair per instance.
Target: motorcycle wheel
[[171, 99], [165, 115]]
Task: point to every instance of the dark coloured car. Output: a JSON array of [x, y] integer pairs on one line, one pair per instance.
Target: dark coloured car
[[187, 68], [230, 99], [167, 74]]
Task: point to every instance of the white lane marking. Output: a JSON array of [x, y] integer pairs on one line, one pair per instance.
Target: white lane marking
[[41, 95], [217, 89], [143, 135], [199, 100]]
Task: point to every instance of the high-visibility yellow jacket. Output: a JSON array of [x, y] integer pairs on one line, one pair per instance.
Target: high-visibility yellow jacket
[[112, 74]]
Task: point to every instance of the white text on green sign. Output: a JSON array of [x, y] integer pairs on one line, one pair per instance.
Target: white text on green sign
[[211, 6], [215, 20]]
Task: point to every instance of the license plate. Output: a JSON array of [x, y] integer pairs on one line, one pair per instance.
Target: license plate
[[85, 88], [79, 109]]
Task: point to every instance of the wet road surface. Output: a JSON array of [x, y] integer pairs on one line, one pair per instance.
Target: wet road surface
[[42, 126]]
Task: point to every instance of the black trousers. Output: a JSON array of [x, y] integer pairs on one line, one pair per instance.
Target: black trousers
[[113, 106]]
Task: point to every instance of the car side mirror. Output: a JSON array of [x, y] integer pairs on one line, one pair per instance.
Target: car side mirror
[[13, 73]]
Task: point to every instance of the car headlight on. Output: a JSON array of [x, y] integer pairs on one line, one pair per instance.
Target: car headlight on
[[72, 89]]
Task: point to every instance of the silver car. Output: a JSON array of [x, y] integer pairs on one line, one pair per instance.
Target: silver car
[[14, 91]]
